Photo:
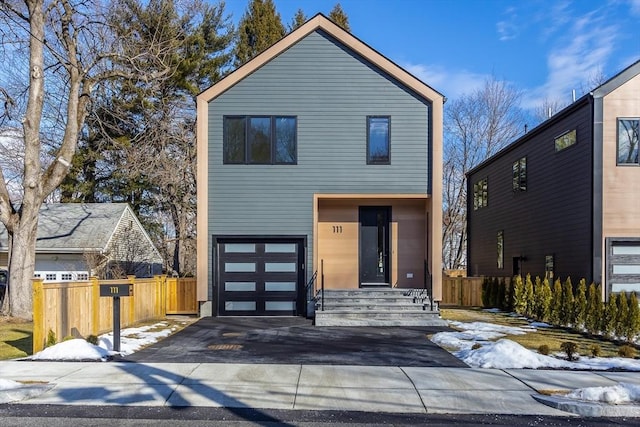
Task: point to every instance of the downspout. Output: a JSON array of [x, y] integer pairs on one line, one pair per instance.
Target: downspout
[[597, 188]]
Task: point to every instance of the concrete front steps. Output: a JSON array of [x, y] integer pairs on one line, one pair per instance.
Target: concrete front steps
[[376, 307]]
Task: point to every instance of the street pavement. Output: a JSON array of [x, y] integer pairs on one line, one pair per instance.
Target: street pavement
[[251, 365]]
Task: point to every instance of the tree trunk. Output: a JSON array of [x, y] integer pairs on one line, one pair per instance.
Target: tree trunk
[[21, 268]]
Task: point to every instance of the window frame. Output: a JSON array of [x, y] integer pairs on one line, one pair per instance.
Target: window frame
[[481, 193], [563, 134], [246, 146], [618, 163], [371, 161], [519, 175]]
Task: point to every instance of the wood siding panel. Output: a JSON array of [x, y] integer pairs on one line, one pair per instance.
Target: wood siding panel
[[331, 92], [552, 217]]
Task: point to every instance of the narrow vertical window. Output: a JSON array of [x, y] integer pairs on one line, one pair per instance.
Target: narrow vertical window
[[378, 140], [500, 247], [480, 194], [519, 172], [628, 139], [259, 140], [285, 150], [234, 139]]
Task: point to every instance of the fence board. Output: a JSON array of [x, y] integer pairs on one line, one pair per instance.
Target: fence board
[[76, 309], [462, 291]]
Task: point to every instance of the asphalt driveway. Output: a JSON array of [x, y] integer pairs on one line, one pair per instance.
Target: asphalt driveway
[[292, 340]]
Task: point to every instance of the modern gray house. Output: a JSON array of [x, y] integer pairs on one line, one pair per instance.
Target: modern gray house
[[563, 199], [318, 158], [79, 240]]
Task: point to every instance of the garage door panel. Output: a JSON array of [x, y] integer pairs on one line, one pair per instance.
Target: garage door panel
[[623, 265], [260, 278]]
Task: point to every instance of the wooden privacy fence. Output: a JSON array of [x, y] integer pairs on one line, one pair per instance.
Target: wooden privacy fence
[[77, 309], [462, 291]]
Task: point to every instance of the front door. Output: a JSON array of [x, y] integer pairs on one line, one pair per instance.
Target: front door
[[374, 245]]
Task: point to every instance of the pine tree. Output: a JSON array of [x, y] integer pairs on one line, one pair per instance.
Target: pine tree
[[259, 28], [528, 297], [622, 318], [547, 297], [298, 19], [510, 297], [502, 292], [580, 307], [338, 16], [567, 315], [594, 302], [520, 303], [634, 317], [610, 316], [485, 293], [555, 315]]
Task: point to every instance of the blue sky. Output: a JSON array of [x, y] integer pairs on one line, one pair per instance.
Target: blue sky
[[545, 48]]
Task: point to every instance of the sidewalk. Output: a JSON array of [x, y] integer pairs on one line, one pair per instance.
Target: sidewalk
[[309, 387]]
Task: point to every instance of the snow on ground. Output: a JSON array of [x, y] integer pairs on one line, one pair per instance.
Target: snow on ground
[[617, 394], [9, 384], [77, 349]]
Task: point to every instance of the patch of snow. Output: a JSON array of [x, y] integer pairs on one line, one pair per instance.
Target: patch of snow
[[492, 310], [76, 349], [618, 394], [539, 325], [9, 384]]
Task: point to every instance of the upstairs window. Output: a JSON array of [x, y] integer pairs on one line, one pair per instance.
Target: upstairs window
[[260, 140], [519, 171], [628, 139], [480, 194], [565, 140], [378, 140]]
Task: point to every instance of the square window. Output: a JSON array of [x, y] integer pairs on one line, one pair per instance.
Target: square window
[[378, 140], [519, 172], [628, 139], [565, 140]]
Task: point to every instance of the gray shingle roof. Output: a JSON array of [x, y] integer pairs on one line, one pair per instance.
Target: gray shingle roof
[[74, 227]]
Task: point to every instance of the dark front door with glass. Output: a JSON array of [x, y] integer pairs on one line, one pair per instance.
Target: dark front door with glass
[[374, 245]]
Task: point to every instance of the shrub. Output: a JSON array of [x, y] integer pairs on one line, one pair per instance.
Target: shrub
[[544, 349], [610, 318], [556, 303], [485, 292], [594, 309], [502, 295], [580, 307], [622, 321], [567, 314], [595, 350], [520, 302], [51, 339], [570, 348], [68, 338], [476, 346], [92, 339], [545, 296], [634, 317], [627, 351], [528, 297]]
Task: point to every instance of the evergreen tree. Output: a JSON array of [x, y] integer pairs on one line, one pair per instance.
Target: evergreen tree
[[338, 16], [520, 303], [485, 293], [545, 301], [592, 322], [610, 316], [529, 297], [259, 28], [567, 315], [555, 315], [634, 317], [511, 298], [580, 307], [622, 321], [298, 19], [502, 292]]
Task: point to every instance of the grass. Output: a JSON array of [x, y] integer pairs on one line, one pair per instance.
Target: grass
[[16, 338], [553, 337]]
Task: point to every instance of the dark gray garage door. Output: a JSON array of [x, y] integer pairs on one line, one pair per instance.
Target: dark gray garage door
[[623, 264], [260, 277]]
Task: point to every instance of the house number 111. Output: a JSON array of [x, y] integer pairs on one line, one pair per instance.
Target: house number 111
[[337, 229]]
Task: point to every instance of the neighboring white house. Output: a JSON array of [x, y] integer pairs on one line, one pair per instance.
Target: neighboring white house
[[78, 240]]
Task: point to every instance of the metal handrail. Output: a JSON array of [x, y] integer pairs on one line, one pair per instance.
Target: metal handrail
[[322, 283], [428, 283], [311, 285]]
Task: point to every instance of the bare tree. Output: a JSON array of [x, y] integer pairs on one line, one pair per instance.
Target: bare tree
[[476, 126], [69, 50]]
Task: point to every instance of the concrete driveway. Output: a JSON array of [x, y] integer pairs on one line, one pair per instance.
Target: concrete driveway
[[291, 340]]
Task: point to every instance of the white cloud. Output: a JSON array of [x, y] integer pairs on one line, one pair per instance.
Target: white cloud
[[451, 83], [576, 57], [635, 7], [508, 28]]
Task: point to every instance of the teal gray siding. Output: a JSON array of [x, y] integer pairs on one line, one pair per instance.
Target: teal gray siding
[[331, 91]]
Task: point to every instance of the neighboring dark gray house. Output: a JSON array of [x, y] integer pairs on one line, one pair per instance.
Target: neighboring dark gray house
[[78, 240], [319, 155], [563, 199]]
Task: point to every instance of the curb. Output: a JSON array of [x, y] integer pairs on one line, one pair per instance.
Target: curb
[[588, 409]]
